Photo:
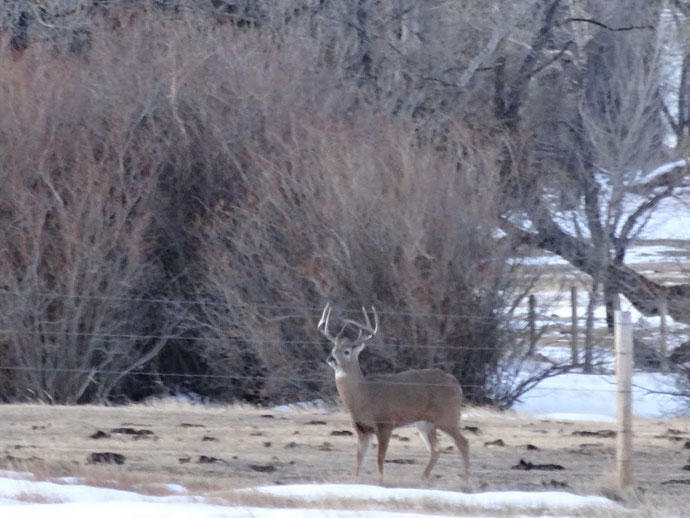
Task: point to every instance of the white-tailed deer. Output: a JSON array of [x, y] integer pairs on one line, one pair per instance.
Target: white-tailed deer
[[378, 404]]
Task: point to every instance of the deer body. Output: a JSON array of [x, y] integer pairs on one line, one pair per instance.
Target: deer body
[[378, 404], [399, 398]]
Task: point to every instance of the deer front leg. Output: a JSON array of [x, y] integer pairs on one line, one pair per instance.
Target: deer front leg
[[363, 440], [383, 436]]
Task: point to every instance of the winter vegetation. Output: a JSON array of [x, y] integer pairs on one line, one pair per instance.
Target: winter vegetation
[[187, 183]]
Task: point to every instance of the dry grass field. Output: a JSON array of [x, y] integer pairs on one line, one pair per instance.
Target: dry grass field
[[216, 450]]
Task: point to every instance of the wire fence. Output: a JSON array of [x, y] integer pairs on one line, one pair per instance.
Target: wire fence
[[646, 466], [56, 365], [263, 378], [299, 379], [243, 339], [546, 315], [290, 307]]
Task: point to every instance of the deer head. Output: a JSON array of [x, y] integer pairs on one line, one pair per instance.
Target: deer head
[[345, 354]]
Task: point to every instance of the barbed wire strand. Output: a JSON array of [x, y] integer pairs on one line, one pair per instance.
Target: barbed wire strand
[[316, 310], [263, 378], [249, 340], [253, 341]]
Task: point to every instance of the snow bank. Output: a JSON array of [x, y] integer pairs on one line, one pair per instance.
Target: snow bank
[[13, 487], [80, 501], [553, 500], [153, 510]]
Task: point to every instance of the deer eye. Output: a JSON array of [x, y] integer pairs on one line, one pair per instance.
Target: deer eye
[[346, 352]]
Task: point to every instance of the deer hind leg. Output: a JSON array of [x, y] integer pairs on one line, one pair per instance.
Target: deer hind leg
[[383, 436], [462, 444], [427, 431], [363, 440]]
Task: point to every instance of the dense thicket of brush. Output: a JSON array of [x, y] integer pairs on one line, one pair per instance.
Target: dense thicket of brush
[[183, 192]]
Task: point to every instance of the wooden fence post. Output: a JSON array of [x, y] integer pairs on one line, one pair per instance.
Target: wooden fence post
[[532, 319], [623, 341], [663, 313], [573, 326], [589, 328]]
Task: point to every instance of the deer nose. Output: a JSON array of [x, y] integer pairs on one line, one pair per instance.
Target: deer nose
[[331, 360]]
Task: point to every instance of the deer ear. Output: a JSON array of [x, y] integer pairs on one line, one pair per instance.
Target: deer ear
[[359, 347]]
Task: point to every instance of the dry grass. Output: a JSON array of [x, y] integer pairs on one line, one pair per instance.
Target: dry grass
[[37, 498], [217, 450]]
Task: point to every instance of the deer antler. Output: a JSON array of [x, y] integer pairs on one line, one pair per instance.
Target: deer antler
[[322, 326], [366, 328]]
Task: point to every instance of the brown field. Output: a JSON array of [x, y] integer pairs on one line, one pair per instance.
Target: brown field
[[216, 450]]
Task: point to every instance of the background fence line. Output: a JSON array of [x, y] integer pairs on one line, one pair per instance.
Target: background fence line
[[531, 301]]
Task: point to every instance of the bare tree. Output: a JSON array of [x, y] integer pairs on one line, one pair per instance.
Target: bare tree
[[602, 135]]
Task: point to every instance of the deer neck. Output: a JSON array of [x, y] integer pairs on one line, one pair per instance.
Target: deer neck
[[349, 384]]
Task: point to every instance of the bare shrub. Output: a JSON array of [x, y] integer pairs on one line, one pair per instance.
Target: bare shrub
[[363, 211], [248, 176], [109, 163], [75, 208]]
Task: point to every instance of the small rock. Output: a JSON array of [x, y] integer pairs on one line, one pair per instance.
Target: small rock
[[106, 457]]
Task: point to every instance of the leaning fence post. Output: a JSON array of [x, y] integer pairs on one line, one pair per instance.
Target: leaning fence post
[[623, 341]]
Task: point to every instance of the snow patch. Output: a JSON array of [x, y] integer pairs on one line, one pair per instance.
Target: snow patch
[[80, 501], [596, 396]]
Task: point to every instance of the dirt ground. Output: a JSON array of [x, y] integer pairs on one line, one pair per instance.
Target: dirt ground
[[213, 450]]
